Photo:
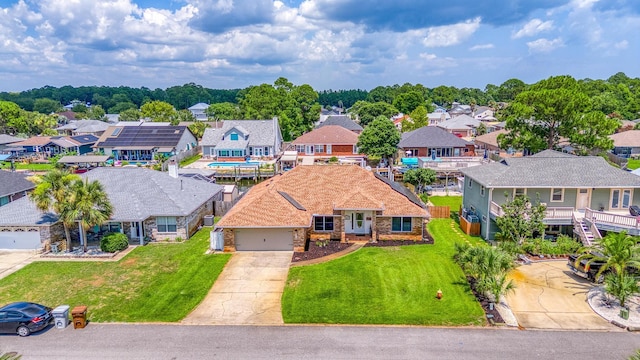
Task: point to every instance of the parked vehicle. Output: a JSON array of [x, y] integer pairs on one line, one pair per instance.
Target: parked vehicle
[[586, 271], [23, 318], [634, 210]]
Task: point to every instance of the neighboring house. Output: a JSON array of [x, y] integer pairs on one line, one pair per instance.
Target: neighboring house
[[339, 202], [460, 109], [578, 191], [8, 141], [199, 111], [80, 144], [142, 143], [13, 186], [31, 146], [398, 120], [484, 113], [489, 141], [330, 141], [146, 204], [342, 120], [84, 127], [461, 126], [325, 113], [436, 118], [430, 141], [237, 140], [626, 144]]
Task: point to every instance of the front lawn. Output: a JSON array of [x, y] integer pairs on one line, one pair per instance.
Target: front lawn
[[633, 164], [153, 283], [453, 202], [32, 166], [387, 285]]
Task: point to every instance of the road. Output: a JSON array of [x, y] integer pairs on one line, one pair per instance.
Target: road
[[124, 341]]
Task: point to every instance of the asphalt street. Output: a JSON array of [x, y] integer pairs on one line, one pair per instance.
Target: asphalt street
[[125, 341]]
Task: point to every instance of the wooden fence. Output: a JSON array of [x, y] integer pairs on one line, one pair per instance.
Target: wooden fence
[[439, 212]]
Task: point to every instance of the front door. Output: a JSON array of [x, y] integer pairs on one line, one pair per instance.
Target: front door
[[358, 223], [582, 199]]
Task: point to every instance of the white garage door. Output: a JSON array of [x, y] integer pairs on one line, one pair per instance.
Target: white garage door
[[20, 240], [264, 239]]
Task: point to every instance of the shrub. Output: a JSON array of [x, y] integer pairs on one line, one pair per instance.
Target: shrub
[[113, 242]]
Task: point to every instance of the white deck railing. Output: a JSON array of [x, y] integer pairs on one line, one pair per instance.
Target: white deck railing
[[556, 213], [616, 220]]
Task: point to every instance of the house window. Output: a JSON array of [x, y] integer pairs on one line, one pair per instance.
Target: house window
[[482, 190], [309, 149], [319, 148], [355, 149], [469, 183], [166, 224], [300, 148], [412, 152], [401, 224], [621, 198], [557, 195], [266, 151], [519, 192], [233, 137], [328, 148], [237, 153], [323, 223], [223, 153]]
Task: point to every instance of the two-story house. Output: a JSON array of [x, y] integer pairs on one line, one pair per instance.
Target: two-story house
[[583, 194], [237, 140], [327, 142], [199, 111]]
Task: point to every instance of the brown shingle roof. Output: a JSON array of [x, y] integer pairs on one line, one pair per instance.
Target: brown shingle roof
[[490, 138], [319, 189], [35, 140], [629, 138], [330, 134]]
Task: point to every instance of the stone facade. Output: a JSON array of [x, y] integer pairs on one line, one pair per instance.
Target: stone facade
[[194, 220], [299, 239], [229, 240], [383, 227], [338, 228]]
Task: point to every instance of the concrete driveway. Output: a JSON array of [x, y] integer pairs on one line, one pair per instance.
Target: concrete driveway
[[14, 260], [549, 296], [247, 292]]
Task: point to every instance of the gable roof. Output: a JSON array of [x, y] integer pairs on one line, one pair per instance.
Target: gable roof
[[8, 139], [490, 138], [138, 193], [13, 182], [85, 126], [330, 134], [34, 141], [317, 190], [431, 137], [199, 106], [460, 122], [261, 132], [549, 169], [341, 120], [165, 136], [629, 138], [23, 212]]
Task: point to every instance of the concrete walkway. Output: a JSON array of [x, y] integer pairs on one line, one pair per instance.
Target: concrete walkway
[[247, 292], [548, 296], [14, 260]]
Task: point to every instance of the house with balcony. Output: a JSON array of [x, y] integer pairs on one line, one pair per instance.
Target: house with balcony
[[327, 142], [237, 140], [342, 120], [584, 195]]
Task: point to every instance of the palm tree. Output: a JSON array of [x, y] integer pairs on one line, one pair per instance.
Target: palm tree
[[489, 267], [88, 204], [52, 192]]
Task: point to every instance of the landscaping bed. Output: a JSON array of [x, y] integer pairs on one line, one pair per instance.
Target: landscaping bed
[[484, 302], [316, 251]]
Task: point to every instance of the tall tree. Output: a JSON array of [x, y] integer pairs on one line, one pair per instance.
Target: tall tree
[[380, 138], [158, 111], [46, 106], [367, 112], [552, 110], [224, 111], [88, 204], [417, 119], [51, 193], [409, 101], [420, 178], [521, 219], [9, 112]]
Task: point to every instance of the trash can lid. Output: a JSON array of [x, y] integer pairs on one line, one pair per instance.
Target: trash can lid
[[60, 309], [79, 309]]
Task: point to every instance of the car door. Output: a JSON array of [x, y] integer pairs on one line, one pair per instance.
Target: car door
[[13, 320], [4, 327]]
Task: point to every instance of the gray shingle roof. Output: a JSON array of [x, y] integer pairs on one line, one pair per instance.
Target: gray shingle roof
[[23, 212], [261, 132], [550, 169], [85, 126], [138, 193], [341, 120], [13, 182], [431, 137], [8, 139], [460, 122]]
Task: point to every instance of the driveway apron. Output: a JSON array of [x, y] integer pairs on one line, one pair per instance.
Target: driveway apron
[[12, 261], [549, 296], [247, 292]]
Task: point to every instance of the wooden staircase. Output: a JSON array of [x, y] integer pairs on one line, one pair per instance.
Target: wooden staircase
[[587, 232]]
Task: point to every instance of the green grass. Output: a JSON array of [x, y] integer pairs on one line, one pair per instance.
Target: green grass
[[22, 166], [633, 164], [190, 160], [389, 285], [453, 202], [152, 283]]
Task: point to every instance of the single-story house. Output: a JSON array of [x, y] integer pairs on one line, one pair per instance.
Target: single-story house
[[433, 141], [147, 204], [626, 144], [238, 140], [13, 186], [463, 126], [575, 189], [143, 142], [8, 140], [342, 120], [329, 141], [322, 202], [84, 127]]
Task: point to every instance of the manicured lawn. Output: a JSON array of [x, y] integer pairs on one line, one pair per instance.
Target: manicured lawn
[[453, 202], [153, 283], [22, 166], [190, 160], [388, 285], [633, 164]]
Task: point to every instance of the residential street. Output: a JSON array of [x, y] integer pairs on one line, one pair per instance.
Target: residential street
[[122, 341]]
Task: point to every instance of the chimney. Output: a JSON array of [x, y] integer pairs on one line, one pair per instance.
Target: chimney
[[173, 168]]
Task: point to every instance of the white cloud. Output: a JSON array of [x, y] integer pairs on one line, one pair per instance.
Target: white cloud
[[544, 45], [448, 35], [482, 47], [532, 28], [621, 45]]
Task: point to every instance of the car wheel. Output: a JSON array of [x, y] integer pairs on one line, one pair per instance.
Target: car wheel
[[23, 330]]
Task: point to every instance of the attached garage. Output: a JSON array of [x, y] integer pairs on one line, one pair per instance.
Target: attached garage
[[20, 239], [264, 239]]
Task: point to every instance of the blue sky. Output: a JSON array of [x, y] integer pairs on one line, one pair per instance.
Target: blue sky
[[329, 44]]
